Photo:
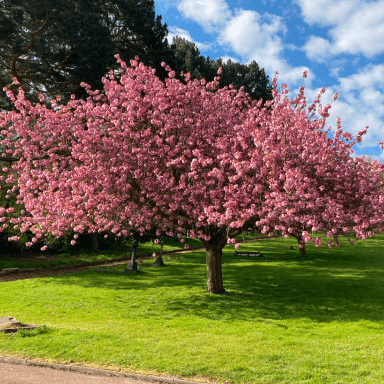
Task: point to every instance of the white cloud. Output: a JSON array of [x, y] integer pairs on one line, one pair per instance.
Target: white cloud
[[326, 12], [357, 27], [369, 76], [175, 31], [318, 49], [206, 13], [247, 33], [243, 32], [248, 36]]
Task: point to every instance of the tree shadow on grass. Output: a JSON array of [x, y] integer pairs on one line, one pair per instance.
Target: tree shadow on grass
[[344, 284]]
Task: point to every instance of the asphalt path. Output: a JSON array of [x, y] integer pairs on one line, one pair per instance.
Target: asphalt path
[[22, 371]]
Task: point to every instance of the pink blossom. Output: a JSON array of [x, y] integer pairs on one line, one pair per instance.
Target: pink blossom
[[185, 154]]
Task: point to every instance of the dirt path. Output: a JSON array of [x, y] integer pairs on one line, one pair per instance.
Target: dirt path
[[29, 273]]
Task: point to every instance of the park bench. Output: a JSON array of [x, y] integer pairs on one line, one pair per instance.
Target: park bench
[[253, 254]]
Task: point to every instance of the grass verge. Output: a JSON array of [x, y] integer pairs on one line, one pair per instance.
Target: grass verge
[[282, 320], [170, 244]]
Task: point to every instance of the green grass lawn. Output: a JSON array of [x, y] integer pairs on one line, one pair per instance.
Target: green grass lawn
[[283, 320], [170, 244]]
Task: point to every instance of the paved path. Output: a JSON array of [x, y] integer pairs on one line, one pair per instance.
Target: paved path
[[21, 371]]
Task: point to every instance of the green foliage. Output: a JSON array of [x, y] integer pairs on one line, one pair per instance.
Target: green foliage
[[58, 44], [187, 58]]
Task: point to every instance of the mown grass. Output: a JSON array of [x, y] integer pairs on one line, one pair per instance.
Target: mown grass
[[85, 256], [283, 319]]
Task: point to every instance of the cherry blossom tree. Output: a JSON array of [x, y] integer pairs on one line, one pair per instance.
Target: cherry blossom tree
[[179, 157], [313, 182]]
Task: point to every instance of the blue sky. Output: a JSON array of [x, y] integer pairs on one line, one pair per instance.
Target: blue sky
[[339, 43]]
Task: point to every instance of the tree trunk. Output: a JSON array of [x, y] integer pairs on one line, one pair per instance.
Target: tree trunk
[[214, 250], [303, 251], [120, 240], [214, 271], [335, 238], [94, 237]]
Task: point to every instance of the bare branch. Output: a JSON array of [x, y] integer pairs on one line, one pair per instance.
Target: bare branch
[[60, 64], [15, 58]]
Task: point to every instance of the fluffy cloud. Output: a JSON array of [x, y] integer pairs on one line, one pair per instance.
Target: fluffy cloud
[[356, 27], [174, 31], [207, 13], [318, 49]]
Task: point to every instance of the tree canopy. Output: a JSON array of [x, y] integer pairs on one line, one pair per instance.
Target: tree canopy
[[51, 46], [186, 58], [178, 156]]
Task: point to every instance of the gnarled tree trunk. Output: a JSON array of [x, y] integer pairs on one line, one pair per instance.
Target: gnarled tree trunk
[[214, 250]]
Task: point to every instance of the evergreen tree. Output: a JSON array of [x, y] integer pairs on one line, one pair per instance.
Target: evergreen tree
[[51, 46], [186, 57]]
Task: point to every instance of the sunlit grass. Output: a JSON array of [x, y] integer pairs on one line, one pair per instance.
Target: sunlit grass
[[283, 319], [170, 244]]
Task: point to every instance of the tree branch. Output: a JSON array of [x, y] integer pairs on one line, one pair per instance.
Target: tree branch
[[60, 64], [15, 58]]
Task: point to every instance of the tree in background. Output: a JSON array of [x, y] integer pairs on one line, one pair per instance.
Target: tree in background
[[186, 58], [51, 46]]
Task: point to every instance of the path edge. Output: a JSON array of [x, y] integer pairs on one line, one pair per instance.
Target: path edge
[[93, 371]]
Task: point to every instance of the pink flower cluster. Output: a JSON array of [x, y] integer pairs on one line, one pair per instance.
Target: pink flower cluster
[[182, 157]]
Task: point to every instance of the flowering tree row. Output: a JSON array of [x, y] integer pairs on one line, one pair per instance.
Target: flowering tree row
[[178, 156]]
